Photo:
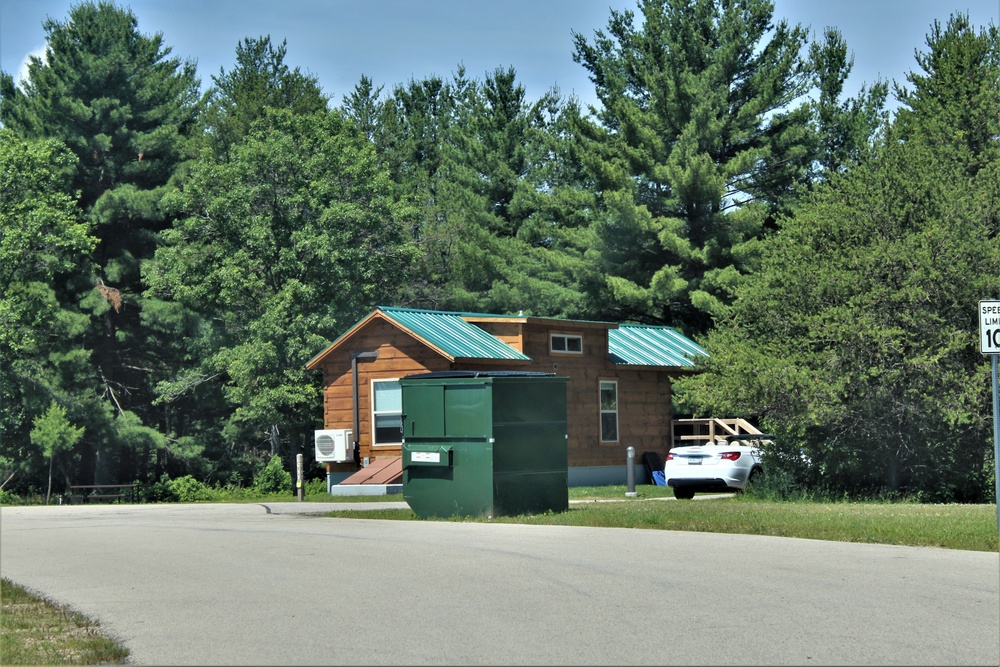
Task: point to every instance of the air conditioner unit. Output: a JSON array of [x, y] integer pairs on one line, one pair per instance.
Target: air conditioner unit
[[334, 445]]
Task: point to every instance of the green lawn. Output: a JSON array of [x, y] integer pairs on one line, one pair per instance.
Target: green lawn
[[968, 527]]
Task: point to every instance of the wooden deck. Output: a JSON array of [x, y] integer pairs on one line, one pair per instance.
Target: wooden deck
[[387, 470]]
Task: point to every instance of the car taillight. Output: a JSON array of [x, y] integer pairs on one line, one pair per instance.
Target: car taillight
[[730, 456], [670, 456]]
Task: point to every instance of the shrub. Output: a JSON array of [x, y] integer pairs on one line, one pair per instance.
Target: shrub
[[776, 485], [187, 489], [158, 492], [8, 498], [314, 487], [990, 478], [273, 478]]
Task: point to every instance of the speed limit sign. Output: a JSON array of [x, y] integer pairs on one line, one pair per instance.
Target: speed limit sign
[[989, 327]]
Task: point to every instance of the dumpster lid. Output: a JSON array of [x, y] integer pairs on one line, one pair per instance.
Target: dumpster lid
[[476, 374]]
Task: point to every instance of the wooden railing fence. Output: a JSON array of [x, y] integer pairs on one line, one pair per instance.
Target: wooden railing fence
[[703, 431]]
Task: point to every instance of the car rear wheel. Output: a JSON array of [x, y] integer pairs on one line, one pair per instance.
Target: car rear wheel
[[756, 476], [683, 494]]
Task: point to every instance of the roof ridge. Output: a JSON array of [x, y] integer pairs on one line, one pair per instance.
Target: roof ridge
[[457, 313], [473, 314]]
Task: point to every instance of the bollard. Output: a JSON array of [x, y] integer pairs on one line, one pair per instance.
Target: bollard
[[298, 476], [630, 473]]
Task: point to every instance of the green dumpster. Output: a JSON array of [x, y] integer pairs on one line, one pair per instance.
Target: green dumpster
[[484, 443]]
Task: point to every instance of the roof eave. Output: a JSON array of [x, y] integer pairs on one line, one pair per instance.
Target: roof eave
[[675, 370], [494, 360], [315, 362]]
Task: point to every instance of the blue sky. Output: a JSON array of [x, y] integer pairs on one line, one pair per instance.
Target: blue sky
[[393, 41]]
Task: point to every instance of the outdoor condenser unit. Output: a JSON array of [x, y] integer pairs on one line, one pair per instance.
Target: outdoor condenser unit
[[334, 445]]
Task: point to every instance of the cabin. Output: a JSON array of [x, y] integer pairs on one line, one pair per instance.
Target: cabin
[[618, 393]]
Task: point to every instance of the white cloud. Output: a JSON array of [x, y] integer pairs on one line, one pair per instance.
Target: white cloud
[[22, 70]]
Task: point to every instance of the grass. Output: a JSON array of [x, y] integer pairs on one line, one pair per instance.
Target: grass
[[315, 493], [953, 526], [38, 632]]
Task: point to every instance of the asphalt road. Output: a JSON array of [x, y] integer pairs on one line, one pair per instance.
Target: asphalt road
[[265, 585]]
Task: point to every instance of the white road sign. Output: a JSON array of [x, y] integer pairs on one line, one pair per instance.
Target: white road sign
[[989, 327]]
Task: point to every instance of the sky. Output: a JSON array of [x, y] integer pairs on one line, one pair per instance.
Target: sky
[[396, 41]]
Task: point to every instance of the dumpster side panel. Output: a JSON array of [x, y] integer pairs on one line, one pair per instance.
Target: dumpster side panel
[[530, 493], [530, 460]]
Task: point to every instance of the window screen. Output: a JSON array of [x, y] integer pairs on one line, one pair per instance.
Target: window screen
[[387, 412], [609, 412], [564, 343]]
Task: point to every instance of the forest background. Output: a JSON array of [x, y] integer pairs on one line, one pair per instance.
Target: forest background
[[170, 259]]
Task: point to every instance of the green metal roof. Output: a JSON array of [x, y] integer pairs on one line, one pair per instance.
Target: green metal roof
[[449, 332], [453, 335], [638, 345]]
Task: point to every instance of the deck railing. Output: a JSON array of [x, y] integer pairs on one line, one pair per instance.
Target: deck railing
[[711, 430]]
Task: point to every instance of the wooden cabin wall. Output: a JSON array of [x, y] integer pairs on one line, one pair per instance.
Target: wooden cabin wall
[[399, 355], [644, 397], [508, 332], [645, 413]]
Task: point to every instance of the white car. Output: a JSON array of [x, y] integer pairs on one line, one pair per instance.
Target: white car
[[725, 466]]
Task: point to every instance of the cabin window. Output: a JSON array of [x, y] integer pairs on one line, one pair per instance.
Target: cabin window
[[609, 411], [387, 412], [566, 343]]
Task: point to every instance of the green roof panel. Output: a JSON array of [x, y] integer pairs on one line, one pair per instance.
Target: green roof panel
[[637, 345], [453, 335]]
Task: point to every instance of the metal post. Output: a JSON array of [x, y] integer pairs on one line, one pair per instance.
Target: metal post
[[996, 436], [630, 473], [298, 477]]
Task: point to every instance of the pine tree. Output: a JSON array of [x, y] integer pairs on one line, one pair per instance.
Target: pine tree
[[260, 80], [126, 110], [481, 164], [844, 128], [694, 150], [954, 99], [364, 106]]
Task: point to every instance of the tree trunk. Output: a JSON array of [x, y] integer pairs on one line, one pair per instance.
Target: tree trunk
[[275, 441], [48, 492], [9, 477], [892, 474]]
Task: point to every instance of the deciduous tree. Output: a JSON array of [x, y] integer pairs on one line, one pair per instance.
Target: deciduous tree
[[277, 250], [53, 433], [856, 341], [43, 241]]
